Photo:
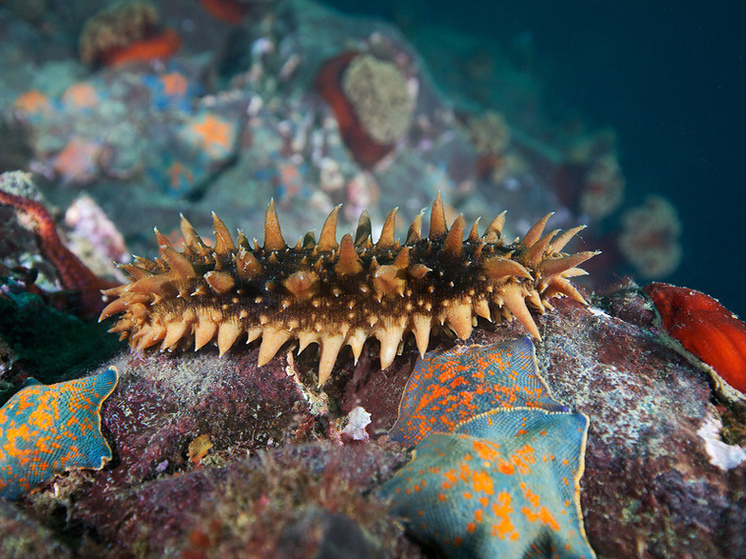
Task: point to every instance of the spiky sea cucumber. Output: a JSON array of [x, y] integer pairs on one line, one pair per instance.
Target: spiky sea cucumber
[[337, 294]]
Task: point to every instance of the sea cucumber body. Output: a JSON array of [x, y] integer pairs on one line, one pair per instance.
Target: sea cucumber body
[[338, 294]]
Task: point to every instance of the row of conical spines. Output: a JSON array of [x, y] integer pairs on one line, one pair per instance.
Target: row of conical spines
[[536, 267]]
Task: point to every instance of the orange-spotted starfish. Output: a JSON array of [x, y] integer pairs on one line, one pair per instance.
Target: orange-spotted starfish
[[46, 430], [497, 467], [504, 484], [450, 387]]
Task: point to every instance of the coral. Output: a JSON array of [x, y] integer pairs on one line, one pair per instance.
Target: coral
[[46, 430], [126, 32], [73, 274], [371, 102], [449, 387], [357, 420], [490, 135], [505, 484], [649, 238], [89, 222], [704, 327], [337, 294], [724, 456], [380, 95], [603, 187]]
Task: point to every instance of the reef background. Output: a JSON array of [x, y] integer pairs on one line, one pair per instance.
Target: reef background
[[668, 78], [531, 112]]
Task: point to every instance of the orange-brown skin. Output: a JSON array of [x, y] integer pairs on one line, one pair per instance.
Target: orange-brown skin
[[704, 327], [364, 149], [337, 294], [74, 275]]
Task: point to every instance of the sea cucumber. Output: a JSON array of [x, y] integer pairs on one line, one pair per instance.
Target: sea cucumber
[[337, 294]]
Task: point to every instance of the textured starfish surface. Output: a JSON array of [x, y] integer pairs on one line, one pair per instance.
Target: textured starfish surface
[[46, 430], [504, 484], [447, 388], [73, 274], [341, 293]]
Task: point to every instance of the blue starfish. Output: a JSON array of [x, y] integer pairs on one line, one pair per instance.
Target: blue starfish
[[45, 430], [450, 387], [504, 484], [497, 462]]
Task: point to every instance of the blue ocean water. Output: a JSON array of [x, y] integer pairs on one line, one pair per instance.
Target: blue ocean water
[[669, 78]]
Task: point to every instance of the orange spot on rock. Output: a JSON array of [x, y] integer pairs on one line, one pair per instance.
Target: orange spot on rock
[[174, 84], [77, 161], [212, 134], [199, 448], [180, 175], [704, 327], [80, 96], [33, 102]]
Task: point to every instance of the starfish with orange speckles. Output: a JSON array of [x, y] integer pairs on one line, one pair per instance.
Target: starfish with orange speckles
[[450, 387], [46, 430], [504, 484], [497, 464]]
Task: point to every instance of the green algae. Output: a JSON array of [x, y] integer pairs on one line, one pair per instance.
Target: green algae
[[54, 345]]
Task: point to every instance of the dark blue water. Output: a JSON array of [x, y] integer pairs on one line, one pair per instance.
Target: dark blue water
[[669, 77]]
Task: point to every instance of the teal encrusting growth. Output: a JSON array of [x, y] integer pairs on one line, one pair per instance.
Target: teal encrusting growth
[[46, 430], [504, 484], [497, 464], [450, 387]]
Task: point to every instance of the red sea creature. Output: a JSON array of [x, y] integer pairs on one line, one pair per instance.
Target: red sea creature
[[704, 327], [126, 32], [328, 83], [229, 11], [74, 275], [161, 45]]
